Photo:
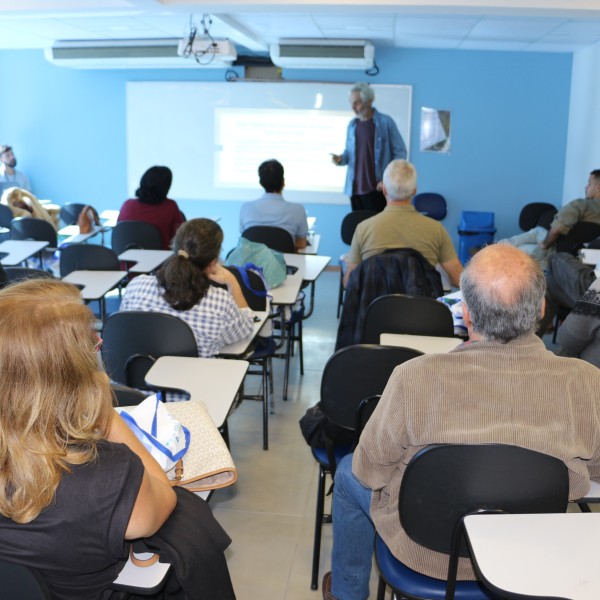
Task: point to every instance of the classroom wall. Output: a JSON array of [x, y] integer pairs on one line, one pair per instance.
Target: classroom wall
[[510, 116], [583, 143]]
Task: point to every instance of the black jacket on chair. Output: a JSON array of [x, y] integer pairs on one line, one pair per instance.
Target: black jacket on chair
[[396, 271]]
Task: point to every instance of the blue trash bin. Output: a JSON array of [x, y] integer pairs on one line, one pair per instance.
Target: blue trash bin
[[476, 229]]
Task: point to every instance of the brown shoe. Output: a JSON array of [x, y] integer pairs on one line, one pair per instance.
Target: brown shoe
[[326, 587]]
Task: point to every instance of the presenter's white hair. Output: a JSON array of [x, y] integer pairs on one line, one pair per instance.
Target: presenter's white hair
[[365, 91], [400, 180]]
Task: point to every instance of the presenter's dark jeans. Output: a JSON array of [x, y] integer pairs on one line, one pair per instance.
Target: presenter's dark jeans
[[371, 201]]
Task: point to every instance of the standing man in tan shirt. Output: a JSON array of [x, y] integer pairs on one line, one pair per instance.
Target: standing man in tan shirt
[[401, 226], [501, 387]]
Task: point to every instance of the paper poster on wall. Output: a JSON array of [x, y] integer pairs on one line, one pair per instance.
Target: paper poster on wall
[[435, 130]]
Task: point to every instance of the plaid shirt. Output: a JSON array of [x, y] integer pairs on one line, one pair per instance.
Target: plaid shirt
[[216, 320]]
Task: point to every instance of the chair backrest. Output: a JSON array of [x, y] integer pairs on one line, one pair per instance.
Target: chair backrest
[[399, 313], [351, 221], [364, 411], [18, 581], [581, 233], [536, 213], [255, 301], [135, 234], [354, 373], [126, 396], [133, 340], [23, 273], [31, 228], [69, 213], [443, 483], [273, 237], [431, 204], [87, 257], [6, 216]]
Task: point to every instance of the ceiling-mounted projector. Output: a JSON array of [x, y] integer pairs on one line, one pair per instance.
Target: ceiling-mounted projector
[[206, 50], [323, 54]]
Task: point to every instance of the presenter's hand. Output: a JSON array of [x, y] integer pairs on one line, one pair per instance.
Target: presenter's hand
[[336, 159]]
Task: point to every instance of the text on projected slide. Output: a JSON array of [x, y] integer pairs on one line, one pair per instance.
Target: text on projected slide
[[301, 140]]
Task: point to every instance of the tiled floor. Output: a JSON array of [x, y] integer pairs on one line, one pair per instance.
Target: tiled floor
[[269, 512]]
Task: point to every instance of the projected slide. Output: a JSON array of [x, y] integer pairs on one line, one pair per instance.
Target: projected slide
[[301, 140], [214, 135]]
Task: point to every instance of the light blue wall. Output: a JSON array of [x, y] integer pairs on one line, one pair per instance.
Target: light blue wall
[[583, 145], [509, 130]]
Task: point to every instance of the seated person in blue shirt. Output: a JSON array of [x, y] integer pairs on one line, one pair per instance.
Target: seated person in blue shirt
[[271, 209]]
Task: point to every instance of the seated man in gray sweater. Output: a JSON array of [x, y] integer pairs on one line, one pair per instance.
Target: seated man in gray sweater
[[500, 387]]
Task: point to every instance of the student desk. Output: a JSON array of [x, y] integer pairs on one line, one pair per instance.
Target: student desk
[[542, 555], [96, 284], [214, 381], [74, 237], [19, 251], [239, 348], [423, 343], [309, 267], [146, 260]]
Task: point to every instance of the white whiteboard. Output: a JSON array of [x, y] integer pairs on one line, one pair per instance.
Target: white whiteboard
[[214, 135]]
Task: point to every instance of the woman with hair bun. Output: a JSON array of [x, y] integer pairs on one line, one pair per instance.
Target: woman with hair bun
[[193, 286], [151, 204]]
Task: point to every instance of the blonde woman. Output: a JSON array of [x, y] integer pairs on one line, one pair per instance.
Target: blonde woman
[[75, 483]]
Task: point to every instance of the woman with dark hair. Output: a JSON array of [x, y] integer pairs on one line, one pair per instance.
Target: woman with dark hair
[[193, 286], [152, 205]]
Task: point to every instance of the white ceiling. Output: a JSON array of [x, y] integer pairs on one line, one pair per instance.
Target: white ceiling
[[513, 25]]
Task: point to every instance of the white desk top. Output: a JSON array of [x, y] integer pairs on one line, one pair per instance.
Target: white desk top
[[313, 239], [239, 348], [142, 577], [95, 283], [424, 343], [146, 260], [540, 555], [309, 266], [287, 293], [19, 251], [74, 237], [110, 217], [590, 256], [214, 381]]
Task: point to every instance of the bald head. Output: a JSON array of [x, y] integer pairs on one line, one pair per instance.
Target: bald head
[[503, 290]]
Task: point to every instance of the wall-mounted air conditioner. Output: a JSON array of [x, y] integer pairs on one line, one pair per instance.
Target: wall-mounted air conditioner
[[139, 54], [323, 54]]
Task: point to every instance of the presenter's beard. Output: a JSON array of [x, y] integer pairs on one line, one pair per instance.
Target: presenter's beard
[[13, 163]]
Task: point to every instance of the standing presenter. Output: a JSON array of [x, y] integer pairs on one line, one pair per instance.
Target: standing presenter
[[372, 142]]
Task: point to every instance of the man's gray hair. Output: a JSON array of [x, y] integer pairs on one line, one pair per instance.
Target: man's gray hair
[[400, 180], [364, 90], [508, 306]]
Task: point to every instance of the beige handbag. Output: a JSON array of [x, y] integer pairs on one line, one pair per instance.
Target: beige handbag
[[207, 465]]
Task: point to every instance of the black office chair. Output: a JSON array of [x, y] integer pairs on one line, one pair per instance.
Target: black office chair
[[273, 237], [350, 375], [6, 216], [126, 396], [399, 313], [256, 296], [135, 234], [581, 233], [89, 257], [31, 228], [134, 340], [536, 213], [24, 273], [444, 483], [430, 204], [69, 213], [18, 581], [349, 224]]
